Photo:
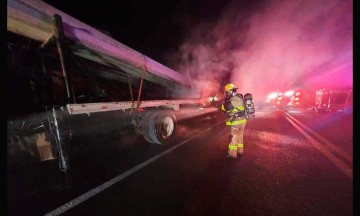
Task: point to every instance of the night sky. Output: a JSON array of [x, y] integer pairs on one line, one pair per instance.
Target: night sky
[[153, 28], [260, 46]]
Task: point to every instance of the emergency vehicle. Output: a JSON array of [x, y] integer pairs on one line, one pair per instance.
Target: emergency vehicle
[[333, 100]]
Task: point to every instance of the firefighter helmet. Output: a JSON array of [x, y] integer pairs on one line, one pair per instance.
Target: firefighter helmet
[[230, 87], [229, 90]]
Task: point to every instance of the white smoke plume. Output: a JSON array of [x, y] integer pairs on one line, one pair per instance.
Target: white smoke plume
[[275, 45]]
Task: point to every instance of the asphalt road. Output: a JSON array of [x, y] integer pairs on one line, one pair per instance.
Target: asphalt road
[[294, 164]]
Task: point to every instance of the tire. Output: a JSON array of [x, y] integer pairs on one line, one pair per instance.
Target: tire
[[148, 127], [165, 126], [158, 126]]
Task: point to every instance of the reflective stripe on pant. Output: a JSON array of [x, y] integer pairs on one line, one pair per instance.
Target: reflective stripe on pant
[[235, 122], [236, 142]]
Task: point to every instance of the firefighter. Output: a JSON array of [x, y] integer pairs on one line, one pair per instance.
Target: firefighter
[[234, 107]]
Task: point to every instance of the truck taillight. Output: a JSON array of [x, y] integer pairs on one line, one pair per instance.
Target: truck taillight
[[297, 93], [297, 99]]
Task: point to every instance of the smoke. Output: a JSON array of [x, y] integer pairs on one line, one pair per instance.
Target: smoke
[[272, 45]]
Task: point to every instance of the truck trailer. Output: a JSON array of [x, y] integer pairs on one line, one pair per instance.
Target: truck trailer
[[65, 77]]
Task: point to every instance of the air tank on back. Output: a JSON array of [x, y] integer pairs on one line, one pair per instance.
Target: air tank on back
[[249, 106]]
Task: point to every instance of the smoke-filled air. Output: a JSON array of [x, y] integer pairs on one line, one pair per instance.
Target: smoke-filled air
[[275, 45]]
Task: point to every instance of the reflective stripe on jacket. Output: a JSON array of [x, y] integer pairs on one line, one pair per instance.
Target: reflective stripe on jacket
[[236, 109]]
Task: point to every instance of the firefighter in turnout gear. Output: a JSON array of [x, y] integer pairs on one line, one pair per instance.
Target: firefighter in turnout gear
[[234, 107]]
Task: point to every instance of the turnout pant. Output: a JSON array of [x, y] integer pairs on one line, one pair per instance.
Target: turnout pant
[[236, 140]]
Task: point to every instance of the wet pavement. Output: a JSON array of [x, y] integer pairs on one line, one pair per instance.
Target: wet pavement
[[281, 173]]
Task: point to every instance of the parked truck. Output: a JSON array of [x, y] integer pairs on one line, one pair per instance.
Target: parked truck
[[65, 77], [328, 100]]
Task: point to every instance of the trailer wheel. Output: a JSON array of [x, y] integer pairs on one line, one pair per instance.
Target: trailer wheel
[[148, 127], [165, 126], [158, 126]]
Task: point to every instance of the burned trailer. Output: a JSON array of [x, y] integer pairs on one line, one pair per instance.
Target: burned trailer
[[66, 78]]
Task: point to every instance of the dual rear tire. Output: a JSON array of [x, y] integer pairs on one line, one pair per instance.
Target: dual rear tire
[[158, 126]]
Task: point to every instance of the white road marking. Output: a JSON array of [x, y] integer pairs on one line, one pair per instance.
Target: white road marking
[[65, 207], [340, 164], [325, 141]]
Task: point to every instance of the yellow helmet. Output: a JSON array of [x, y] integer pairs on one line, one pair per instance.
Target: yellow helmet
[[230, 87]]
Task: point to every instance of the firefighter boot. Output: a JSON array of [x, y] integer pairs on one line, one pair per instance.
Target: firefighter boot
[[227, 154], [232, 151]]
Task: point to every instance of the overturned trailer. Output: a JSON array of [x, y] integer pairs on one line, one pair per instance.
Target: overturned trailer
[[66, 77]]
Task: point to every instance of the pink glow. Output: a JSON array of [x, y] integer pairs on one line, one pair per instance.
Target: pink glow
[[285, 44]]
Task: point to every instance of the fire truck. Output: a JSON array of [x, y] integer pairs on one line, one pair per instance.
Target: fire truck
[[302, 98], [328, 100]]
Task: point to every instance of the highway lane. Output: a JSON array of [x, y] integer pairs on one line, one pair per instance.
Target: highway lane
[[340, 133], [281, 173]]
